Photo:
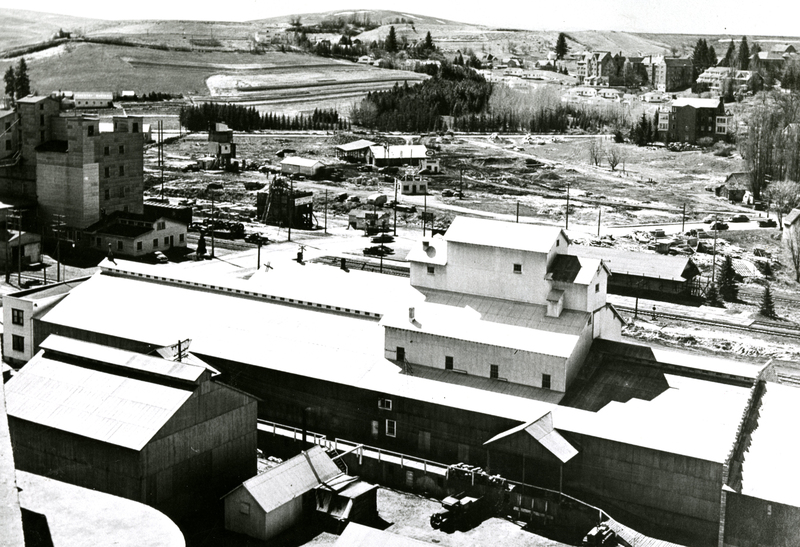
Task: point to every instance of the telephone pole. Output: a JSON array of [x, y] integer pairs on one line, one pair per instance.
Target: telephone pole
[[17, 216], [58, 223]]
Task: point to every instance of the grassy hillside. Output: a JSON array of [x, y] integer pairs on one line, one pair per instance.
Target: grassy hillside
[[21, 27]]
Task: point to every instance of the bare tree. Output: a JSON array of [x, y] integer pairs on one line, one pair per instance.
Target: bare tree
[[791, 239], [595, 152], [783, 195], [614, 156]]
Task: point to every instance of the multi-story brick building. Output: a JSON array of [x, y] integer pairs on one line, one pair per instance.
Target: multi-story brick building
[[668, 73], [689, 120]]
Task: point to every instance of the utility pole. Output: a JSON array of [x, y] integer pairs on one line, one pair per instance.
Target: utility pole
[[395, 206], [258, 258], [599, 214], [461, 181], [213, 224], [566, 227], [326, 212], [683, 218], [290, 203], [425, 213], [714, 260], [517, 211], [161, 154], [58, 222], [17, 216]]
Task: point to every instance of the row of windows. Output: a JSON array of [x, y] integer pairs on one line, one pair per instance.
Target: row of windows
[[107, 150], [517, 269], [122, 191], [139, 244], [449, 364], [120, 170]]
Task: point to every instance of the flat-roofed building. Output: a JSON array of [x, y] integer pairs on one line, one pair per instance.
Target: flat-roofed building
[[160, 432], [94, 99]]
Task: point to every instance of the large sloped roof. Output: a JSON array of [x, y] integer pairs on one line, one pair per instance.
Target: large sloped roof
[[291, 479], [508, 235], [543, 431], [360, 144], [650, 265]]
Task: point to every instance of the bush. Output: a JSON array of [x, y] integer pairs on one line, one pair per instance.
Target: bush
[[705, 142]]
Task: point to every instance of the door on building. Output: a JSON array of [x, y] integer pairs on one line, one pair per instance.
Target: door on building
[[376, 428], [171, 241], [413, 188]]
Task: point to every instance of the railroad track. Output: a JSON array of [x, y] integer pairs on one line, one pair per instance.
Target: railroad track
[[365, 265], [757, 327]]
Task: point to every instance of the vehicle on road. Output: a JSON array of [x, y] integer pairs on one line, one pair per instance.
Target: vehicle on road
[[161, 258], [767, 223], [740, 218], [708, 219], [258, 239], [719, 226]]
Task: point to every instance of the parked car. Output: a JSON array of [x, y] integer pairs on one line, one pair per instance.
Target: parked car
[[767, 223], [258, 239], [708, 219], [161, 258], [719, 226], [740, 218]]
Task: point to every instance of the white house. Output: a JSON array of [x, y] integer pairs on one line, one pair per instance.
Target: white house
[[301, 166], [93, 99]]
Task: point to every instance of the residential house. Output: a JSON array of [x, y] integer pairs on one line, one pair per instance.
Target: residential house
[[717, 77], [668, 73], [129, 234], [689, 120], [9, 137], [735, 187]]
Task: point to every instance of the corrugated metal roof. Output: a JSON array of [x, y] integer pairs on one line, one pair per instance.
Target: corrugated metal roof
[[291, 479], [355, 145], [770, 470], [98, 405], [652, 265], [357, 535], [87, 95], [404, 152], [508, 235], [543, 431], [301, 162], [124, 360]]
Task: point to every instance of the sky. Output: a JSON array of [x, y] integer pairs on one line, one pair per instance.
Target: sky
[[735, 17]]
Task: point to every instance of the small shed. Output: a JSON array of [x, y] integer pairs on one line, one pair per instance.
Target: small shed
[[361, 219], [734, 187], [346, 499], [300, 166], [274, 501]]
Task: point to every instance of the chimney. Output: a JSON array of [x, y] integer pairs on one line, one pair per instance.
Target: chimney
[[411, 314], [425, 244]]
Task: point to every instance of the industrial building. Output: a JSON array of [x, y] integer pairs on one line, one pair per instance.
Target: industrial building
[[93, 99], [648, 275], [639, 431], [160, 432], [128, 234], [301, 166], [306, 487], [383, 156], [355, 151], [221, 145]]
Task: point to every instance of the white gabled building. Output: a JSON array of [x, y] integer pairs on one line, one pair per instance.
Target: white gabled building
[[504, 301]]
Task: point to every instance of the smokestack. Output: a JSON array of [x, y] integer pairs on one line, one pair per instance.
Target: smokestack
[[411, 314]]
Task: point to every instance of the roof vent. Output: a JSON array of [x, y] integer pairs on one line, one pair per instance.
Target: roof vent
[[411, 314], [425, 244]]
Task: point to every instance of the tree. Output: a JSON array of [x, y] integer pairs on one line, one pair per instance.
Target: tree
[[767, 308], [642, 133], [791, 239], [711, 57], [11, 83], [712, 297], [699, 58], [744, 55], [391, 41], [614, 156], [595, 152], [459, 59], [783, 195], [23, 81], [728, 287], [429, 42], [730, 55], [561, 46]]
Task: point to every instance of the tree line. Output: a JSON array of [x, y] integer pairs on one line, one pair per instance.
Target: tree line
[[242, 118], [18, 83]]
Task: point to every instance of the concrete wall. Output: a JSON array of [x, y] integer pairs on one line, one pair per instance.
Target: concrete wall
[[521, 367]]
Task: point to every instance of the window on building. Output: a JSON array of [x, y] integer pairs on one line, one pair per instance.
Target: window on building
[[127, 191], [244, 508], [8, 144], [558, 242], [121, 170], [17, 317], [135, 127], [424, 441], [385, 404], [155, 243], [41, 106], [391, 428], [106, 150], [119, 245], [107, 194], [517, 268], [181, 237], [546, 381], [17, 342], [121, 148], [41, 136], [41, 120], [166, 240], [161, 225], [448, 362], [98, 242], [431, 270], [597, 287], [107, 172], [494, 371], [8, 126], [90, 130], [125, 208], [122, 192], [401, 353], [138, 245]]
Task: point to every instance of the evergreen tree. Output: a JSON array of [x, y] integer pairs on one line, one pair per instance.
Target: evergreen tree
[[459, 59], [428, 42], [11, 83], [767, 305], [730, 55], [712, 297], [744, 55], [728, 287], [699, 58], [561, 46], [23, 81], [711, 57], [391, 41]]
